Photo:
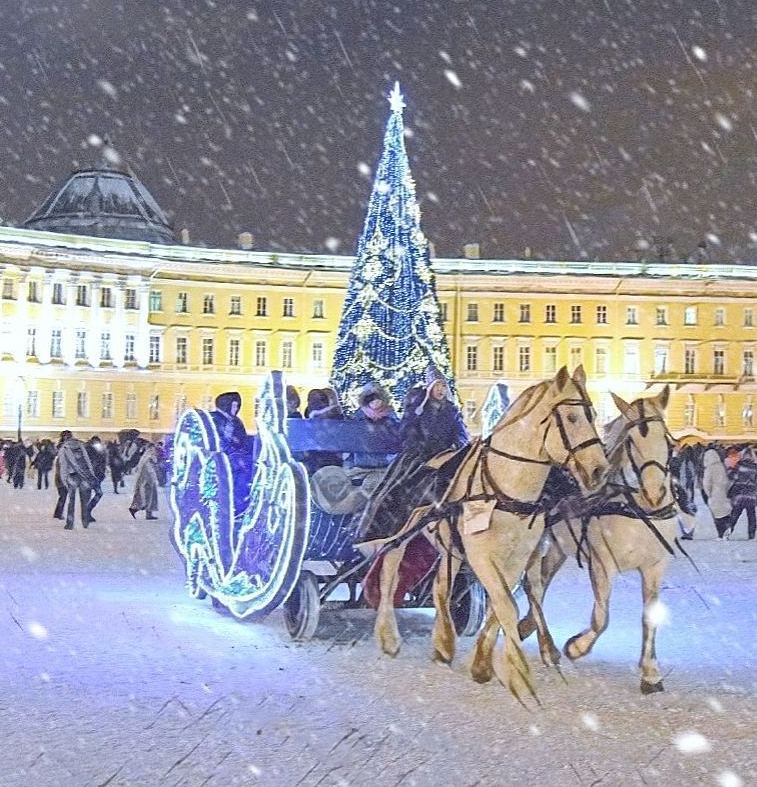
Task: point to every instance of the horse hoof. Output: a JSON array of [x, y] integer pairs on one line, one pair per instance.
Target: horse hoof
[[571, 649], [390, 647], [441, 658], [651, 688], [482, 675], [551, 658], [526, 628]]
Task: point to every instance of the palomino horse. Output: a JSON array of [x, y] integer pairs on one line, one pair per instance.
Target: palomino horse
[[628, 525], [549, 424]]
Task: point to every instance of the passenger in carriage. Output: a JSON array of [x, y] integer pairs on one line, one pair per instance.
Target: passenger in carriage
[[234, 443], [293, 402], [322, 403], [374, 408]]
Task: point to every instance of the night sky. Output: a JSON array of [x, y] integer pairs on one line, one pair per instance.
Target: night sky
[[571, 127]]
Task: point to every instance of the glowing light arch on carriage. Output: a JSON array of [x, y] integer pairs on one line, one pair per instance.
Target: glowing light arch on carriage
[[248, 560]]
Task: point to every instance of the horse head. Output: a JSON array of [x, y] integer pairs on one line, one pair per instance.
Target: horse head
[[640, 445], [571, 438]]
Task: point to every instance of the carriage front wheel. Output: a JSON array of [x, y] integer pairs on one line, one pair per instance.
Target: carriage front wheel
[[468, 604], [303, 607]]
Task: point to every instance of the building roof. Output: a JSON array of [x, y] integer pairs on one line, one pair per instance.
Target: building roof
[[103, 202]]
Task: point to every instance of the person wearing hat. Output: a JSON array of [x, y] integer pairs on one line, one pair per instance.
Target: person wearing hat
[[374, 408], [431, 422]]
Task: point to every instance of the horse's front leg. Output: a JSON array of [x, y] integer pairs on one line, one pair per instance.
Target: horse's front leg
[[602, 570], [444, 636], [651, 579], [386, 631], [536, 579], [482, 666]]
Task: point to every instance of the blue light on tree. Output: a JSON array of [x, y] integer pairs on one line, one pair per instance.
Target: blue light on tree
[[391, 328]]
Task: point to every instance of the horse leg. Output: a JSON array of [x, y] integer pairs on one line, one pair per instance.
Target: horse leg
[[651, 579], [444, 636], [386, 631], [602, 570], [482, 667], [489, 561]]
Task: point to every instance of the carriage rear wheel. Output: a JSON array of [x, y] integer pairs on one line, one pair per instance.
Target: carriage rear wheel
[[468, 605], [302, 608]]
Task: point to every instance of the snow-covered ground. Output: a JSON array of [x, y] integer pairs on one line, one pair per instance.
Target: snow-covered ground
[[113, 676]]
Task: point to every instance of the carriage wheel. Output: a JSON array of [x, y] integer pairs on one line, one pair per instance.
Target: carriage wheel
[[468, 604], [302, 608]]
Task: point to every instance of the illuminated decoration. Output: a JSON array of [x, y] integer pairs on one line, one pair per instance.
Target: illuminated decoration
[[495, 406], [391, 328], [248, 561]]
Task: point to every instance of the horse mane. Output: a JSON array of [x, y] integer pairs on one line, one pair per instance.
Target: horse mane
[[529, 399]]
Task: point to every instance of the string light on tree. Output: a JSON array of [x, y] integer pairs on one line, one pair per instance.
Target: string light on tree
[[391, 328]]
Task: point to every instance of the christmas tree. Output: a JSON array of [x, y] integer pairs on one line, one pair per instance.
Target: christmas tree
[[391, 328]]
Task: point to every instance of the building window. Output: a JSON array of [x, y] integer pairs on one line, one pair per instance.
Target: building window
[[80, 345], [154, 409], [82, 404], [689, 361], [550, 313], [106, 298], [525, 312], [105, 346], [747, 414], [233, 352], [82, 295], [472, 312], [661, 315], [182, 303], [748, 363], [262, 307], [58, 298], [498, 359], [180, 405], [154, 356], [601, 315], [576, 357], [209, 304], [471, 358], [689, 411], [59, 405], [550, 360], [318, 311], [288, 307], [749, 317], [129, 343], [181, 350], [600, 360], [524, 359], [235, 305], [443, 311], [130, 298], [31, 343], [718, 362], [317, 355], [106, 411], [720, 412], [131, 407], [156, 301], [499, 312], [32, 294], [632, 315], [8, 290], [719, 317], [56, 341], [575, 314], [470, 410], [690, 315], [661, 360], [207, 351], [631, 363], [260, 353], [287, 352], [32, 404]]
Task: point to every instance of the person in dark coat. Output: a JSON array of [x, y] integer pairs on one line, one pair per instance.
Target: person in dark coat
[[322, 403], [116, 465], [15, 457], [99, 461], [43, 462], [60, 486], [293, 402], [374, 408], [743, 493], [76, 472], [235, 444]]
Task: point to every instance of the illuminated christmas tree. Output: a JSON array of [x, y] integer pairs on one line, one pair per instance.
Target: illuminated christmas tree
[[391, 327]]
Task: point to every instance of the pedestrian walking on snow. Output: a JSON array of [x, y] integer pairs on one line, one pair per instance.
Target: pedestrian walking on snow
[[145, 496]]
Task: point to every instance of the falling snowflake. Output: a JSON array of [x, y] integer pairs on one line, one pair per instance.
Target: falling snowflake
[[657, 614], [363, 168], [691, 743], [590, 721], [729, 779], [453, 78], [36, 630], [332, 244], [580, 101], [107, 87], [724, 122], [699, 53]]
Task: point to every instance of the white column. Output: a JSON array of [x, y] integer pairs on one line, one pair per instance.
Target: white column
[[143, 326], [94, 326], [20, 322], [118, 326], [45, 323], [69, 331]]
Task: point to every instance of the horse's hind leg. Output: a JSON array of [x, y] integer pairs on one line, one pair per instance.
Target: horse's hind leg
[[386, 630], [444, 636], [651, 579], [602, 570]]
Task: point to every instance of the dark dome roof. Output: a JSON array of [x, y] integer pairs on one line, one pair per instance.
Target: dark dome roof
[[105, 203]]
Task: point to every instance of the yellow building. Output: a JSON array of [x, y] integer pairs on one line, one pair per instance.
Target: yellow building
[[100, 333]]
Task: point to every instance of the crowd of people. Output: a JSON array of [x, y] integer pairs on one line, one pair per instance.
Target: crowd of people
[[80, 468]]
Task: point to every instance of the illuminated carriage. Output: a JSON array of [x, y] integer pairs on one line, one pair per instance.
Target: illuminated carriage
[[256, 540]]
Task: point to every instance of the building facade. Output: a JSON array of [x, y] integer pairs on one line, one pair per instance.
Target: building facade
[[98, 334]]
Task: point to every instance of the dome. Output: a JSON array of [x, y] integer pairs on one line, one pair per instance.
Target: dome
[[105, 203]]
